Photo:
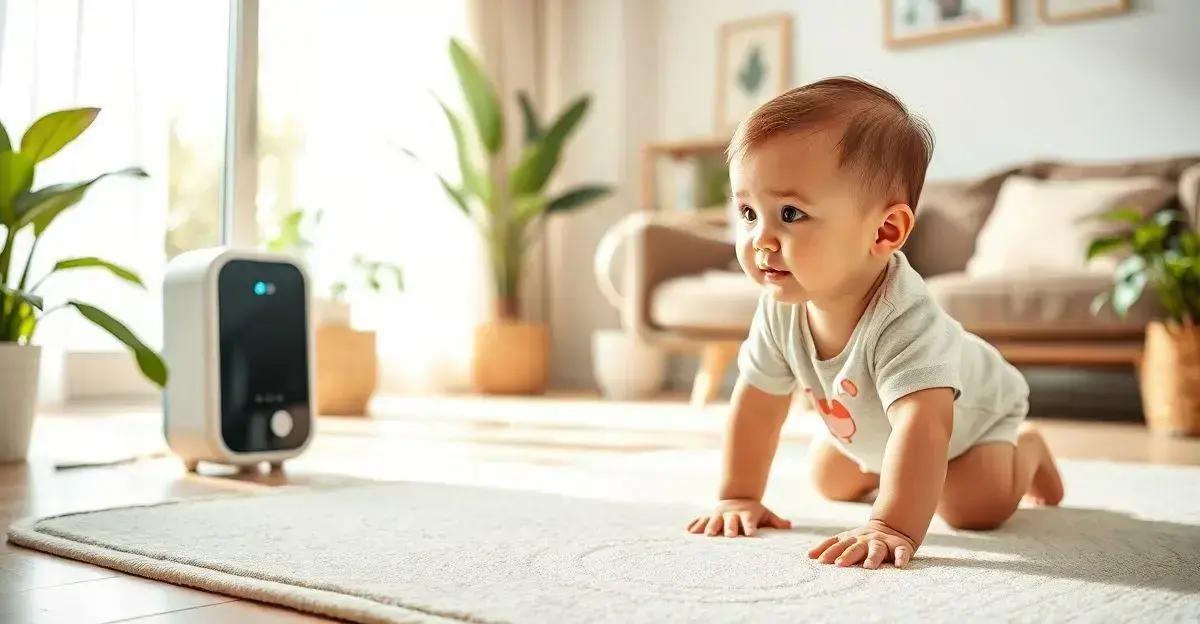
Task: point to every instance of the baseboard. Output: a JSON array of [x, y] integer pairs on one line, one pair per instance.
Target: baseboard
[[89, 375]]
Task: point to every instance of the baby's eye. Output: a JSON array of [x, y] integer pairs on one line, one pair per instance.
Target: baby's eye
[[791, 214], [748, 214]]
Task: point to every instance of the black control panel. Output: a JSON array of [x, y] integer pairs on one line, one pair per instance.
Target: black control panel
[[264, 356]]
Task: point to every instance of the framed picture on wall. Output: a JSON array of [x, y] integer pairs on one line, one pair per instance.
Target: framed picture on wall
[[1058, 11], [754, 64], [914, 22]]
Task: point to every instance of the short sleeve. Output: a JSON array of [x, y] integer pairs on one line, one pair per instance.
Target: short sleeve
[[761, 360], [916, 349]]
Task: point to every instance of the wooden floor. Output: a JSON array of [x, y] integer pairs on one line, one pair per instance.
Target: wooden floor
[[455, 440]]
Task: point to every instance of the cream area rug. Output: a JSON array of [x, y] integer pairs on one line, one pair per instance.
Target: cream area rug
[[1126, 547]]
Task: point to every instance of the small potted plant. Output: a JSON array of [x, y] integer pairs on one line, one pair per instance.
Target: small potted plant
[[347, 362], [510, 356], [1163, 253], [24, 211]]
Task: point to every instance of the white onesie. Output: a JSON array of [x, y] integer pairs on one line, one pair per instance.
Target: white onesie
[[903, 343]]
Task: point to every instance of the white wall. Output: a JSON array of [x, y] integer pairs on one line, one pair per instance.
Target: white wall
[[608, 51], [1116, 87], [1110, 88]]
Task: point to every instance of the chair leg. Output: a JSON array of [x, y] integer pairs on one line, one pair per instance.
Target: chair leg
[[715, 358]]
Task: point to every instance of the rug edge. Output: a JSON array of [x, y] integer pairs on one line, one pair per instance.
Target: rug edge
[[320, 602]]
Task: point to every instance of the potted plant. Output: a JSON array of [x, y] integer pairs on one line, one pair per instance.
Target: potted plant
[[510, 356], [1163, 253], [347, 362], [24, 211]]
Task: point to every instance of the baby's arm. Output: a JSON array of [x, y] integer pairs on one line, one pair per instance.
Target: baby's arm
[[751, 438], [914, 462], [910, 484]]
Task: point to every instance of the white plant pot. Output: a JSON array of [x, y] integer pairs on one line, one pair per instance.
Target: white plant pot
[[625, 367], [18, 396]]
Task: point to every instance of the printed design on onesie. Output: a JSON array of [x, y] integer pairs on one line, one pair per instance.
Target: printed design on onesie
[[837, 418]]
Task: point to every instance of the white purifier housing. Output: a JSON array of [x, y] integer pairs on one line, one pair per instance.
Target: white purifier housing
[[238, 343]]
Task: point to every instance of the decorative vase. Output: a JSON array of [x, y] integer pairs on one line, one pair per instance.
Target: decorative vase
[[625, 367], [347, 370], [18, 395], [510, 357], [1171, 378]]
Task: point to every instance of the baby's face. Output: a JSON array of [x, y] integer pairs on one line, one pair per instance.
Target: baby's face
[[801, 234]]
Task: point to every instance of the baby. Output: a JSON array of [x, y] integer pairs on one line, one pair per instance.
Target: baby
[[825, 179]]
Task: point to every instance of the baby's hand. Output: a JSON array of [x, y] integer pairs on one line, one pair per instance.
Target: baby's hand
[[874, 541], [733, 514]]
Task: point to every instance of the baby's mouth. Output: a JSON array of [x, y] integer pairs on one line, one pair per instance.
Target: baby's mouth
[[773, 274]]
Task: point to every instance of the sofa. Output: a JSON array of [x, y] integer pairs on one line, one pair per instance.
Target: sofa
[[685, 292]]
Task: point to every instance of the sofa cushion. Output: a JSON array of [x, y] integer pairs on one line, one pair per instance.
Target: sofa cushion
[[1038, 225], [1053, 301], [716, 300], [1166, 168], [949, 216]]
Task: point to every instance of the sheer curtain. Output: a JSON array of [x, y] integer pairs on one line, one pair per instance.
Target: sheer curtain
[[343, 87], [156, 70]]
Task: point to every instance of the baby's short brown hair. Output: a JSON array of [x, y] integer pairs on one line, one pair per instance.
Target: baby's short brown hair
[[887, 147]]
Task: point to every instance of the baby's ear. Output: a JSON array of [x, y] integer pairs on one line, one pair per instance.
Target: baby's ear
[[897, 224]]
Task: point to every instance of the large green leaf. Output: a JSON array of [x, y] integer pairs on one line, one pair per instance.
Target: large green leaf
[[5, 142], [93, 262], [44, 205], [456, 195], [1106, 244], [1120, 215], [50, 133], [539, 159], [1128, 284], [148, 361], [480, 96], [16, 176], [27, 297], [527, 207], [533, 128], [473, 182], [578, 197], [454, 192]]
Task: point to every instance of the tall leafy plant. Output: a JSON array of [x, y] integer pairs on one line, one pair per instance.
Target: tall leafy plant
[[23, 209], [1163, 253], [505, 205]]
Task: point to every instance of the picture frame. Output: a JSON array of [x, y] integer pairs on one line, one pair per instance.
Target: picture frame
[[1062, 11], [754, 64], [918, 22]]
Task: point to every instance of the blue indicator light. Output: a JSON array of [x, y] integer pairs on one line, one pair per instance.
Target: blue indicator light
[[260, 288]]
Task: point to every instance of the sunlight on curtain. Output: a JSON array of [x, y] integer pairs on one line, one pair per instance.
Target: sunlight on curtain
[[343, 87], [156, 68]]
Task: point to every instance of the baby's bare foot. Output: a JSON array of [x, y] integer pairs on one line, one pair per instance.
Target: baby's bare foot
[[1047, 485]]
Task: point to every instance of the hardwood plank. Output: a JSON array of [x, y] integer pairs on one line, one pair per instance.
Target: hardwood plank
[[22, 570], [103, 600], [236, 612]]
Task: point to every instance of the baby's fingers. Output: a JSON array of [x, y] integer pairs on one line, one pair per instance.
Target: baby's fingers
[[820, 548], [877, 551], [770, 519], [731, 524], [697, 524], [714, 526], [748, 523], [903, 555]]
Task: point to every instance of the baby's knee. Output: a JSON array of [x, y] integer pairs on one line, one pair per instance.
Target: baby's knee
[[838, 488], [976, 517], [838, 478]]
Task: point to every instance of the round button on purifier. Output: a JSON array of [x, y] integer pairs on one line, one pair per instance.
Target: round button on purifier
[[281, 423]]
